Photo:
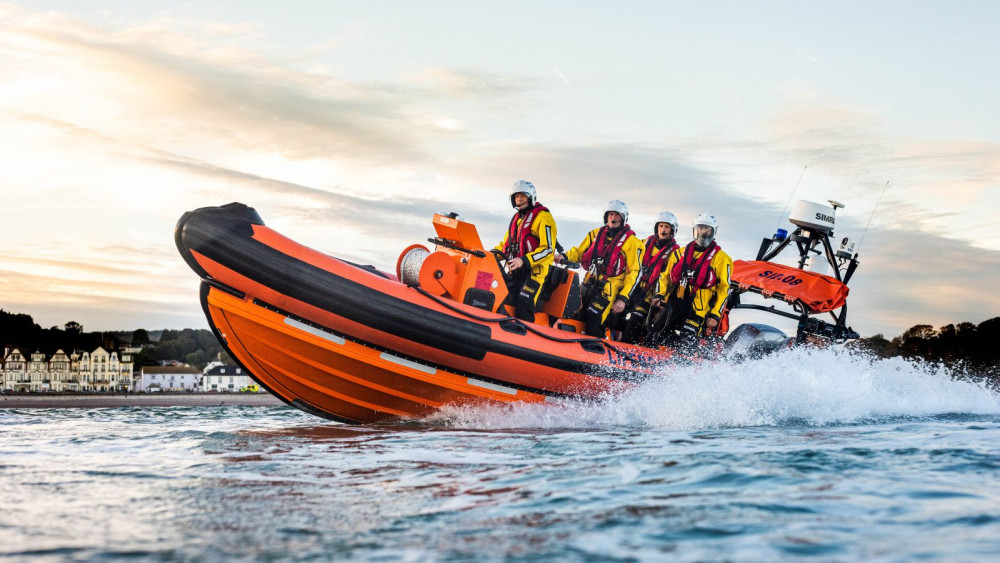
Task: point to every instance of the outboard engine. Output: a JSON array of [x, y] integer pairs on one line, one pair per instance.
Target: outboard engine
[[754, 340]]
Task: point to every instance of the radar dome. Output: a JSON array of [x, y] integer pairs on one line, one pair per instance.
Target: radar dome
[[812, 216]]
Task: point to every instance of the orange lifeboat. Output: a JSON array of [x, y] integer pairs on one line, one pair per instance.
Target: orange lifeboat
[[351, 343]]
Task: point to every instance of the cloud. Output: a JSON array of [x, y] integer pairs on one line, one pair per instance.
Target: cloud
[[463, 83], [821, 125], [116, 313], [807, 56], [562, 77], [912, 277], [144, 81], [932, 183]]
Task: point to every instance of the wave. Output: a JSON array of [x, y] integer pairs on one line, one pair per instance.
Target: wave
[[799, 386]]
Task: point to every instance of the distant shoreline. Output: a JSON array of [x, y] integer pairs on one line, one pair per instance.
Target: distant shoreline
[[107, 400]]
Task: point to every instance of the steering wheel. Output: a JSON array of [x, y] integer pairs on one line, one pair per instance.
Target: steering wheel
[[501, 259]]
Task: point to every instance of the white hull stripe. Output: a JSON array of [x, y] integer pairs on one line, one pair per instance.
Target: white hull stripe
[[492, 386], [395, 359], [407, 363], [314, 331]]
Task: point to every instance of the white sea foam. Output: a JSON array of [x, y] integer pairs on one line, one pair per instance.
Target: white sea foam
[[798, 386]]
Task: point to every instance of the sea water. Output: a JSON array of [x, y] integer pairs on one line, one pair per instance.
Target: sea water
[[803, 455]]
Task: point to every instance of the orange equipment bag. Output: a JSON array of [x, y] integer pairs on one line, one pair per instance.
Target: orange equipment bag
[[818, 292]]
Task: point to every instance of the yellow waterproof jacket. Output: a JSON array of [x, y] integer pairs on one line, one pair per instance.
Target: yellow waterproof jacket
[[711, 299], [622, 285], [543, 228]]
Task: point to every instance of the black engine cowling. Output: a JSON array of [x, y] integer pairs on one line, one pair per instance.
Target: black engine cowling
[[754, 340]]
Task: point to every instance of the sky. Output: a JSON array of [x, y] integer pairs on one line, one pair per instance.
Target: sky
[[348, 124]]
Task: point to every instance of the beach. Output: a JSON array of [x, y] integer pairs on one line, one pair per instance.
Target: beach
[[86, 400]]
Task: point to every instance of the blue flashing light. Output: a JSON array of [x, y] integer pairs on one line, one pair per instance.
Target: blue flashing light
[[780, 234]]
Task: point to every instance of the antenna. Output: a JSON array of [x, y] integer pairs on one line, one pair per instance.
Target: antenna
[[790, 196], [870, 218]]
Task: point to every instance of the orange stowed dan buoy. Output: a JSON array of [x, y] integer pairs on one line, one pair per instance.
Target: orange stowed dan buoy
[[438, 275], [434, 272], [459, 267]]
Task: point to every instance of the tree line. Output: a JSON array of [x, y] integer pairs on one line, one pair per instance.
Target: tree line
[[974, 346], [196, 347]]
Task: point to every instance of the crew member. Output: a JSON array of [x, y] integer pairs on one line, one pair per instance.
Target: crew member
[[694, 289], [528, 246], [612, 256], [660, 254]]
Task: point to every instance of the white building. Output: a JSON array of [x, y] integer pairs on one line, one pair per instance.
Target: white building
[[15, 371], [62, 377], [102, 371], [224, 379], [99, 370], [153, 379]]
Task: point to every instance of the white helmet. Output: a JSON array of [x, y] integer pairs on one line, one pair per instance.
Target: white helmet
[[708, 220], [618, 206], [522, 187], [668, 218]]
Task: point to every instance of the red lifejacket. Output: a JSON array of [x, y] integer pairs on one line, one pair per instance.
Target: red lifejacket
[[702, 275], [520, 241], [615, 262], [655, 259]]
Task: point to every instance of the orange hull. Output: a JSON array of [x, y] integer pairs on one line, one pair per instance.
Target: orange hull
[[352, 344]]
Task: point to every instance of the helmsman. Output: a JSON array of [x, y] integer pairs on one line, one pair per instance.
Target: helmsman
[[528, 247]]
